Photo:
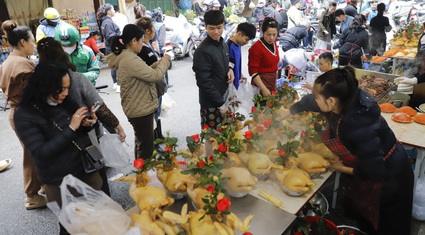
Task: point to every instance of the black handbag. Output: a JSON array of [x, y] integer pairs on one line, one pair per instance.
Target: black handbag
[[92, 159], [91, 156], [161, 87]]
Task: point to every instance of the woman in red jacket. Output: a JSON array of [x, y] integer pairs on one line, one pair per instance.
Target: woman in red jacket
[[263, 58], [91, 42]]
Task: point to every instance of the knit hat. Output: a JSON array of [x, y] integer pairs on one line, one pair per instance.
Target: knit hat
[[293, 2]]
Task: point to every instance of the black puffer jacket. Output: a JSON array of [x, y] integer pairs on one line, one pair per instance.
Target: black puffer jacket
[[292, 37], [352, 42], [211, 64], [366, 134], [109, 29], [52, 150]]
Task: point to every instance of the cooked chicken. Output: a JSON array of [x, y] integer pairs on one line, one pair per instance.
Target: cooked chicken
[[295, 180], [197, 194], [312, 163], [147, 197], [174, 181], [257, 163], [239, 179], [200, 227], [236, 224], [146, 224], [323, 151]]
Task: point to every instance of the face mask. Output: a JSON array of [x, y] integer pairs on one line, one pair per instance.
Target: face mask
[[70, 49]]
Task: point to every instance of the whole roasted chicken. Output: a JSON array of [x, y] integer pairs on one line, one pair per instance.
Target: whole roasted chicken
[[239, 179], [174, 181], [295, 180]]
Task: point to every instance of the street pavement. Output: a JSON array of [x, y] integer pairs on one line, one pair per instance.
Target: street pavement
[[180, 121]]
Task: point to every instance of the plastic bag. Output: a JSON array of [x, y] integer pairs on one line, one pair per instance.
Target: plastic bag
[[91, 213], [244, 95], [167, 102], [418, 211], [113, 151]]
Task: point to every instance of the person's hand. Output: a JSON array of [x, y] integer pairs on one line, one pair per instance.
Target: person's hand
[[121, 133], [326, 32], [222, 109], [266, 92], [405, 80], [167, 57], [307, 86], [90, 120], [230, 76], [337, 165], [78, 117]]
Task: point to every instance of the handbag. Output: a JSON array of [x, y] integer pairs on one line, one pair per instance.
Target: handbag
[[91, 157], [161, 87]]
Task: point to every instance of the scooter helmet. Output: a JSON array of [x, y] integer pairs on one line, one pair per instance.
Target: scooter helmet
[[51, 13], [67, 35]]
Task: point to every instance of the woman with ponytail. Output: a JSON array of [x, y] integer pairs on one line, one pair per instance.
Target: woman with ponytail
[[139, 97], [14, 74], [374, 163]]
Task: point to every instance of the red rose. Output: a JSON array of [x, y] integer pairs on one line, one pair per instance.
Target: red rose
[[282, 152], [248, 135], [206, 127], [195, 138], [273, 92], [222, 148], [232, 115], [219, 130], [269, 104], [211, 158], [298, 233], [253, 109], [139, 163], [168, 148], [267, 123], [201, 163], [247, 233], [223, 204], [303, 134], [260, 128], [211, 188]]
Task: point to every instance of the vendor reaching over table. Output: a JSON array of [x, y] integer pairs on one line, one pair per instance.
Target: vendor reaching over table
[[414, 86], [377, 166]]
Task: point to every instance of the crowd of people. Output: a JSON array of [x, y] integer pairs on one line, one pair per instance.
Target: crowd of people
[[53, 103]]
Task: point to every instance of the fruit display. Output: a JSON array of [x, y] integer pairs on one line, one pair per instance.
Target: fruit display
[[409, 35]]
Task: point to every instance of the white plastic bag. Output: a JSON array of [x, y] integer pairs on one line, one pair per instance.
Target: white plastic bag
[[244, 95], [167, 102], [91, 213], [113, 151], [418, 211]]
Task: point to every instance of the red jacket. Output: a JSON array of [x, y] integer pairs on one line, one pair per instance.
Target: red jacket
[[91, 42], [261, 59]]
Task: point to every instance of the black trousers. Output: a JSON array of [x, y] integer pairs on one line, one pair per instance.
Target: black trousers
[[354, 61], [144, 137]]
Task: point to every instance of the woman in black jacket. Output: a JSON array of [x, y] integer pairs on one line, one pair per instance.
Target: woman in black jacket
[[353, 43], [375, 163], [49, 124]]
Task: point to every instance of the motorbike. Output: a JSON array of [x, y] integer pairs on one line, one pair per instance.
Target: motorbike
[[183, 37]]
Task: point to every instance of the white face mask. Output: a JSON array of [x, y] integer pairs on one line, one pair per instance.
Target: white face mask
[[70, 49]]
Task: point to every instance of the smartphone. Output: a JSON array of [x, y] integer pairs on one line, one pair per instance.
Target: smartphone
[[96, 107]]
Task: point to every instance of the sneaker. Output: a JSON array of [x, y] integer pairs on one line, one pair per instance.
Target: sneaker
[[38, 201], [115, 86], [118, 89], [5, 164]]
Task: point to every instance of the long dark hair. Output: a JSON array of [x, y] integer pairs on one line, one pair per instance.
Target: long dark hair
[[130, 31], [340, 83], [45, 81], [269, 23], [50, 50], [15, 33], [358, 20]]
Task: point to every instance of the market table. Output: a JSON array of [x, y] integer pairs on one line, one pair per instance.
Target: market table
[[268, 219], [412, 134]]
